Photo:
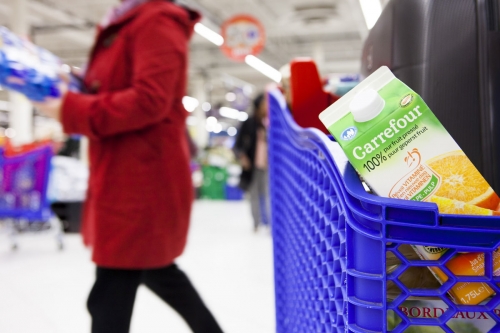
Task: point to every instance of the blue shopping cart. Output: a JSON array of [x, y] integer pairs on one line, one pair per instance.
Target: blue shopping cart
[[332, 239], [24, 205]]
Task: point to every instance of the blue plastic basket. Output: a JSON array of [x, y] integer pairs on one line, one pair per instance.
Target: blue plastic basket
[[234, 193], [23, 185], [331, 238]]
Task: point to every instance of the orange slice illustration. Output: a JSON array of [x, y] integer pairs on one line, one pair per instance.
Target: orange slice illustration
[[462, 181], [450, 206]]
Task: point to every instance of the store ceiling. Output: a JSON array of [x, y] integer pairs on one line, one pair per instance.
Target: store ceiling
[[331, 31]]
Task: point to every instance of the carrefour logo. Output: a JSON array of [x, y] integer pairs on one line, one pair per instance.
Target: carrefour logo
[[349, 133]]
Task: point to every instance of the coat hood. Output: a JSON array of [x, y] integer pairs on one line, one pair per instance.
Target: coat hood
[[192, 18], [185, 16]]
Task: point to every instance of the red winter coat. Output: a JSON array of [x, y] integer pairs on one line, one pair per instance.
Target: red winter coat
[[140, 192]]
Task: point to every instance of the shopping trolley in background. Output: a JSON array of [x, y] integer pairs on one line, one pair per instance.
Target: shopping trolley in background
[[24, 207], [331, 239]]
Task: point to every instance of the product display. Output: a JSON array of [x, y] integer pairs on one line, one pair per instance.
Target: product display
[[27, 68], [220, 175], [214, 183], [389, 135]]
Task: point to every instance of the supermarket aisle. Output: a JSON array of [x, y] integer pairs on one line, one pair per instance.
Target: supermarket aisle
[[44, 291]]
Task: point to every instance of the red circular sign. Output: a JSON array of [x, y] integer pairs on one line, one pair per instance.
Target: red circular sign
[[243, 35]]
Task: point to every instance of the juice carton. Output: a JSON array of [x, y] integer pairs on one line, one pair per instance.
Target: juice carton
[[402, 151], [469, 264]]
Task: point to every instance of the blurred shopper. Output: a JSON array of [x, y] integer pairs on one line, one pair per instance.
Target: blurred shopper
[[140, 193], [251, 151]]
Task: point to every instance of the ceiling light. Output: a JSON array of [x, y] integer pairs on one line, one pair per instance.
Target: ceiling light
[[371, 11], [190, 103], [229, 112], [243, 116], [232, 131], [264, 68], [209, 128], [206, 107], [209, 34], [218, 128], [211, 121], [233, 113]]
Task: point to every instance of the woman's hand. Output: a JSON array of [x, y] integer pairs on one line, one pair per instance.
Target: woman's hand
[[245, 162], [51, 107]]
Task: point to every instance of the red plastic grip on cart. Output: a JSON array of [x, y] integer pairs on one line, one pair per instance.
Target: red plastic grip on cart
[[309, 98], [9, 150]]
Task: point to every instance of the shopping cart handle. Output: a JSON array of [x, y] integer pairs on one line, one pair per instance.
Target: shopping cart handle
[[470, 222]]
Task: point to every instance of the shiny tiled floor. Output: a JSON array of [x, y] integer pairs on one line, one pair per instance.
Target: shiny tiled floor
[[43, 290]]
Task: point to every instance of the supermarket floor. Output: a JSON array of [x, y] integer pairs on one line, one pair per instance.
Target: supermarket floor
[[43, 290]]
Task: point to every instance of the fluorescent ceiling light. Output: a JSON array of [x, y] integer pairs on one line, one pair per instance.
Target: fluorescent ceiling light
[[264, 68], [233, 113], [371, 11], [218, 128], [209, 34], [229, 112], [243, 116], [209, 127], [211, 121], [232, 131], [206, 107], [211, 124], [190, 103]]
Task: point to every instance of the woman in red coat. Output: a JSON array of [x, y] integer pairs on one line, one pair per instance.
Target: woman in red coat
[[140, 193]]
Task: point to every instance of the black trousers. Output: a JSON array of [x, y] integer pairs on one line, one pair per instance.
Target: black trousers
[[111, 300]]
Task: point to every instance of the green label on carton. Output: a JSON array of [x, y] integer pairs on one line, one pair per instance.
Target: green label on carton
[[394, 144]]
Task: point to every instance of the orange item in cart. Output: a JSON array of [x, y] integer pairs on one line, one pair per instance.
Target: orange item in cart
[[470, 264]]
